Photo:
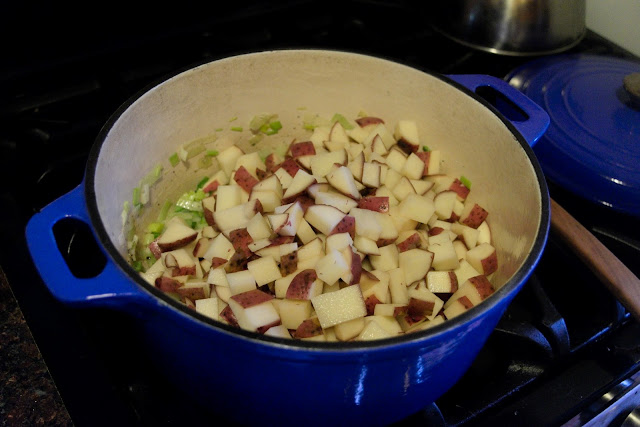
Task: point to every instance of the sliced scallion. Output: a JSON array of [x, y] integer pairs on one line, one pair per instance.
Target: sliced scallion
[[135, 199], [202, 182], [425, 148], [162, 215], [465, 181], [236, 128], [337, 117]]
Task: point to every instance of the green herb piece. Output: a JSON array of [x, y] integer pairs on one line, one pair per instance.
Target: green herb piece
[[152, 176], [212, 153], [258, 121], [174, 159], [425, 148], [236, 128], [219, 129], [465, 181], [137, 265], [233, 119]]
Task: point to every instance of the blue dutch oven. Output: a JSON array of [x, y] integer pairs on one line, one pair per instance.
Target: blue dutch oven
[[252, 378]]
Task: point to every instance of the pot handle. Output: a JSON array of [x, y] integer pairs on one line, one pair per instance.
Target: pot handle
[[110, 287], [535, 120]]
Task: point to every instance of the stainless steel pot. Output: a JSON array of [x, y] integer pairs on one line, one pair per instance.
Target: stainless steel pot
[[512, 27]]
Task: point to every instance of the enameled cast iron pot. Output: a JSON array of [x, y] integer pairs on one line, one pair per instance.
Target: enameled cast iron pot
[[252, 378]]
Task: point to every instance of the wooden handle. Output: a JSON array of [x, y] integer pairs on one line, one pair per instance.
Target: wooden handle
[[620, 281]]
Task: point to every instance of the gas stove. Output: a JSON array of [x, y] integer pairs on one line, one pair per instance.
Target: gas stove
[[565, 352]]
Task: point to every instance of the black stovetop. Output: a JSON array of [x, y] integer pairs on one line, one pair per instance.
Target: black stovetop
[[549, 357]]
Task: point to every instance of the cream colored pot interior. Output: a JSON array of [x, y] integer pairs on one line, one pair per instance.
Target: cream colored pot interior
[[194, 104]]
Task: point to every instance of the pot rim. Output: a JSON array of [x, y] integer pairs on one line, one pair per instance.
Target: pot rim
[[507, 291]]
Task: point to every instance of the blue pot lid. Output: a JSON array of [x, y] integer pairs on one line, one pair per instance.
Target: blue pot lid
[[592, 146]]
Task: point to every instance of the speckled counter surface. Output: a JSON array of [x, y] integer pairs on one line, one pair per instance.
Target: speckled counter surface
[[28, 395]]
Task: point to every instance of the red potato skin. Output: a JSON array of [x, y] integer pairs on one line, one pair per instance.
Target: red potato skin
[[435, 231], [244, 179], [476, 217], [299, 286], [465, 301], [251, 298], [211, 187], [271, 163], [407, 147], [191, 293], [240, 239], [356, 268], [420, 308], [482, 285], [238, 261], [229, 317], [490, 264], [460, 189], [265, 328], [167, 284], [371, 303], [410, 242], [183, 271], [374, 203], [290, 166], [305, 148], [165, 247], [454, 281], [400, 311], [281, 240], [305, 202], [289, 263], [369, 276], [261, 174], [346, 225], [308, 328], [385, 242], [155, 249], [217, 262], [369, 120], [425, 156], [208, 217], [201, 246], [189, 303]]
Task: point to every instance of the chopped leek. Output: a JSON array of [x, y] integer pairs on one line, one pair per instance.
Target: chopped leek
[[144, 194], [465, 181], [255, 139], [174, 159], [125, 212], [236, 128], [152, 176], [258, 121], [136, 196], [155, 227], [202, 182], [342, 120], [425, 148], [162, 215], [212, 153], [275, 125]]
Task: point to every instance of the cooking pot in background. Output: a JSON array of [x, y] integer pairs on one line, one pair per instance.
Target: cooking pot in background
[[512, 27], [252, 378]]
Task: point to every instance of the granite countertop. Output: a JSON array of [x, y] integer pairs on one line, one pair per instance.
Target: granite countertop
[[28, 395]]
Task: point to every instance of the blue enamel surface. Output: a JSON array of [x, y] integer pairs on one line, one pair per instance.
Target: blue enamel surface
[[592, 146]]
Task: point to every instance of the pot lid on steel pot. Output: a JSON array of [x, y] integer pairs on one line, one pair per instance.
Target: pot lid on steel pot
[[592, 146]]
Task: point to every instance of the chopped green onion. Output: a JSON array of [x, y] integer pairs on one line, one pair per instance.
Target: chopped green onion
[[136, 196], [155, 227], [236, 128], [342, 120], [465, 181], [137, 265], [233, 119], [425, 148], [212, 153], [219, 129], [202, 182], [125, 212], [174, 159]]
